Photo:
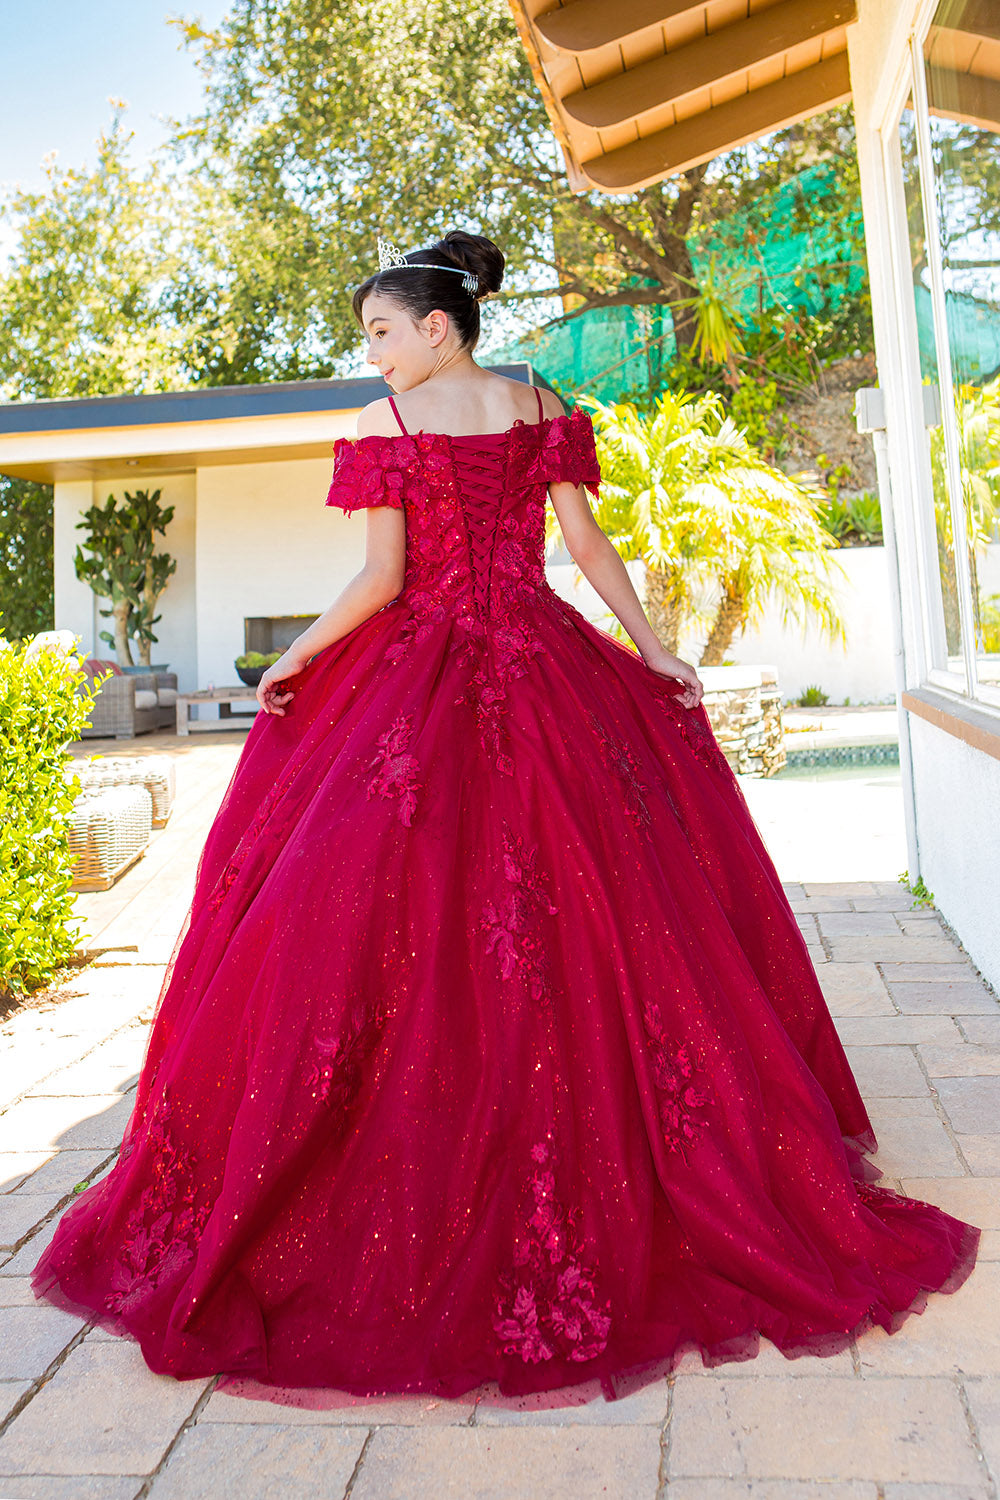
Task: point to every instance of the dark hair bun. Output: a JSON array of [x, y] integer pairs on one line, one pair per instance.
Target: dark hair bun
[[473, 252]]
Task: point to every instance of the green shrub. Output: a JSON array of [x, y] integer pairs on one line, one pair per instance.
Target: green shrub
[[812, 697], [257, 659], [855, 520], [41, 712]]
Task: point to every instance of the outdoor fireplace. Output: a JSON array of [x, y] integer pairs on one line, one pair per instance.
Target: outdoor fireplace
[[268, 633]]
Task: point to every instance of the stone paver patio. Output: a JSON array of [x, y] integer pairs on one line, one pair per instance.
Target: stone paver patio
[[912, 1417]]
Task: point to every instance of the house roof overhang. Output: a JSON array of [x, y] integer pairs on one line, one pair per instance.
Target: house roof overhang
[[644, 89], [175, 432]]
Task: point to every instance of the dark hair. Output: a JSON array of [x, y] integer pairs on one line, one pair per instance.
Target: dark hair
[[420, 291]]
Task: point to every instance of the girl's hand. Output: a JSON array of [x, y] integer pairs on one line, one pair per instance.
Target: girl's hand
[[664, 664], [272, 694]]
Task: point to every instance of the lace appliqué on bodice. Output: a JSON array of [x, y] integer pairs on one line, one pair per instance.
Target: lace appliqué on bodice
[[475, 542]]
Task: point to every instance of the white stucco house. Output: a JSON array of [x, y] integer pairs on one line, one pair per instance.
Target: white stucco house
[[247, 470]]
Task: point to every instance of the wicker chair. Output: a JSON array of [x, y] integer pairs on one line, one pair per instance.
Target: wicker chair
[[129, 703]]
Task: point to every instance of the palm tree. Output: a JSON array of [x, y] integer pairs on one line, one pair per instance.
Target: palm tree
[[978, 412], [686, 493]]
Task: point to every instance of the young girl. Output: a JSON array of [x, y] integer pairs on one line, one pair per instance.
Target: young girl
[[492, 1050]]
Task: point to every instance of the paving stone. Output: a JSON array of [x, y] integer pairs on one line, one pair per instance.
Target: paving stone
[[971, 1104], [926, 997], [793, 890], [11, 1392], [889, 949], [899, 901], [17, 1166], [61, 1173], [15, 1291], [957, 1333], [265, 1462], [807, 927], [848, 890], [858, 924], [919, 924], [23, 1263], [817, 955], [515, 1463], [340, 1408], [803, 905], [981, 1153], [855, 990], [960, 1060], [911, 1107], [890, 1429], [984, 1403], [38, 1124], [103, 1412], [980, 1029], [974, 1199], [644, 1407], [950, 973], [937, 1491], [18, 1216], [916, 1147], [769, 1361], [31, 1337], [877, 1031], [886, 1070], [78, 1487], [770, 1489], [989, 1245]]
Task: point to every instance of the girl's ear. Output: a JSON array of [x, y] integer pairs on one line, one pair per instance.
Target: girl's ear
[[436, 327]]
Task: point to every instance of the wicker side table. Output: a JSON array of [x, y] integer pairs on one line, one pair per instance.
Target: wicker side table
[[109, 830], [154, 772]]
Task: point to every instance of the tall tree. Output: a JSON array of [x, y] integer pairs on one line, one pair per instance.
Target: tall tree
[[26, 602], [332, 120]]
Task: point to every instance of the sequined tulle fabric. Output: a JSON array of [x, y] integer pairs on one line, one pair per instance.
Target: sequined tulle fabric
[[491, 1050]]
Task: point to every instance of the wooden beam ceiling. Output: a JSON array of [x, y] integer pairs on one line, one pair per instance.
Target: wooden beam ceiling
[[722, 128], [965, 97], [765, 35], [584, 25]]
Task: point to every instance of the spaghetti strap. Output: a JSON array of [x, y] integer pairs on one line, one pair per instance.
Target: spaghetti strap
[[538, 397], [399, 419]]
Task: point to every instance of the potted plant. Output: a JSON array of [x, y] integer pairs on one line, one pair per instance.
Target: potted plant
[[251, 666], [125, 568]]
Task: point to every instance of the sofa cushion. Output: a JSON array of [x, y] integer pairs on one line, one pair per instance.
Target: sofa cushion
[[166, 697], [95, 668], [145, 698]]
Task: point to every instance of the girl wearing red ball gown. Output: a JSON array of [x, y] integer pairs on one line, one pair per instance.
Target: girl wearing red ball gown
[[491, 1050]]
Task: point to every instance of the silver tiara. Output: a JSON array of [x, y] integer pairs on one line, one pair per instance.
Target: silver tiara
[[391, 259]]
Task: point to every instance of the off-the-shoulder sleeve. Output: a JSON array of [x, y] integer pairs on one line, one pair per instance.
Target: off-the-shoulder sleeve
[[569, 453], [367, 472]]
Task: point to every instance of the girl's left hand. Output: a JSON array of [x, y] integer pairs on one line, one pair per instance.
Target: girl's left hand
[[665, 664]]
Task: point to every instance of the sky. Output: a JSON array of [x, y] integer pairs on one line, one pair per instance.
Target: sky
[[61, 60]]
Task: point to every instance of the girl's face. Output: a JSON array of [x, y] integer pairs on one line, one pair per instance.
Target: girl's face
[[404, 352]]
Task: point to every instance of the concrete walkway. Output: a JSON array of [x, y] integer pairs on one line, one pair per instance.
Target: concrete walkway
[[912, 1417]]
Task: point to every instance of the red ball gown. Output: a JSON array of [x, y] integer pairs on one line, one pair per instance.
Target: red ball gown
[[491, 1050]]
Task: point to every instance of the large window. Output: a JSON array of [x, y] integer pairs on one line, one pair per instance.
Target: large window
[[949, 139]]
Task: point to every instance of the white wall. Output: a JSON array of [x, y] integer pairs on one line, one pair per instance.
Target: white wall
[[267, 545], [863, 672], [957, 796]]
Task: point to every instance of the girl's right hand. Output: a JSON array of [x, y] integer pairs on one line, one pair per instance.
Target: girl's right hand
[[272, 692]]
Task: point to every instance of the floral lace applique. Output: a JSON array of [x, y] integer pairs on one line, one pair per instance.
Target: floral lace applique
[[681, 1098], [392, 471], [394, 769], [163, 1230], [548, 1302], [506, 654], [511, 922], [228, 877], [334, 1072], [623, 763], [562, 449]]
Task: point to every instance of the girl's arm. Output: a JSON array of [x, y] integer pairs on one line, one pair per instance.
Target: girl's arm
[[604, 570], [378, 582]]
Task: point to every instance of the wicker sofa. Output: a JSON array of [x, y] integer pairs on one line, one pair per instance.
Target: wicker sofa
[[130, 703]]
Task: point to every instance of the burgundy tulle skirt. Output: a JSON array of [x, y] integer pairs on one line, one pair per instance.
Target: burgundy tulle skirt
[[491, 1052]]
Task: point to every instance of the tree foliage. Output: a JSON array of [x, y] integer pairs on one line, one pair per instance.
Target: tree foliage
[[125, 568], [26, 602]]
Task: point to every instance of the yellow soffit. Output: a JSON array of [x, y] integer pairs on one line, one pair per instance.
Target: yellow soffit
[[639, 90]]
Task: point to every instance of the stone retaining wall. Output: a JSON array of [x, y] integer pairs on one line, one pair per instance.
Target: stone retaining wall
[[744, 708]]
